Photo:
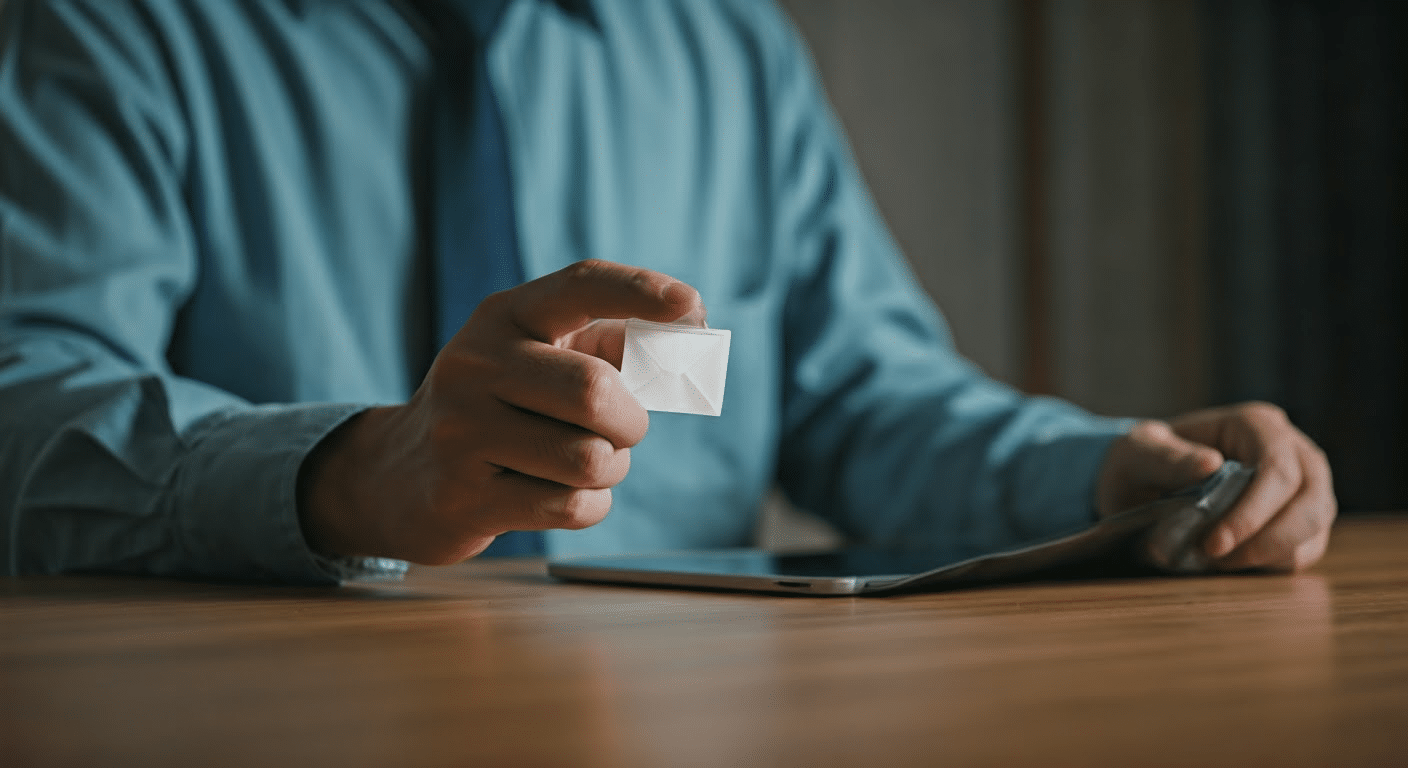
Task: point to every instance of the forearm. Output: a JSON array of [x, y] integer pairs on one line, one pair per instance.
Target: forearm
[[897, 464], [111, 468]]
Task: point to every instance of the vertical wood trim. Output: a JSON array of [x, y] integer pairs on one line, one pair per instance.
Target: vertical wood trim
[[1180, 80], [1122, 228], [1034, 255]]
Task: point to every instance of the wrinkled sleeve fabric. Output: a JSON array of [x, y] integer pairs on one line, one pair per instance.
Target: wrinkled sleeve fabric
[[888, 431], [109, 461]]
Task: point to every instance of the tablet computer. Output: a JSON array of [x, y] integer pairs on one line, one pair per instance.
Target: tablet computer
[[1166, 534]]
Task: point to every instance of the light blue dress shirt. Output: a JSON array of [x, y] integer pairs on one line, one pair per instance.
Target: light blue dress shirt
[[211, 255]]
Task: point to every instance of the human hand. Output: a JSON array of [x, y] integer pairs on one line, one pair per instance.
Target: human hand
[[522, 423], [1281, 522]]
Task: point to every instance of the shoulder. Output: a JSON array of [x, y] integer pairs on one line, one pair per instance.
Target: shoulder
[[130, 29], [709, 25], [63, 53], [115, 38], [727, 37]]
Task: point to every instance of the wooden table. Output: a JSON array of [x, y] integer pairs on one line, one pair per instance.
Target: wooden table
[[491, 663]]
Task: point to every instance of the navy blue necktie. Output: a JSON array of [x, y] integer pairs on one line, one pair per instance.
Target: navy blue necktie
[[474, 239]]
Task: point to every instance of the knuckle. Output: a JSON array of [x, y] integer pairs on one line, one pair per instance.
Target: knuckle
[[1282, 467], [640, 282], [1150, 430], [495, 303], [593, 390], [603, 406], [591, 460], [1264, 411], [636, 280], [583, 271], [584, 508]]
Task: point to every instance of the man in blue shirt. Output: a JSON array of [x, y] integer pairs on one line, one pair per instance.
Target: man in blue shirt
[[213, 309]]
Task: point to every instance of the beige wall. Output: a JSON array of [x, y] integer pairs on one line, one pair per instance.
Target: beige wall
[[924, 89], [931, 95], [1124, 187]]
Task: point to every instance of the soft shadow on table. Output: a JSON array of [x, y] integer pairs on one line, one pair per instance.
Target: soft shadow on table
[[133, 588], [526, 579], [1106, 572], [427, 583]]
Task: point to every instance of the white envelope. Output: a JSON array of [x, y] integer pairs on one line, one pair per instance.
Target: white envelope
[[677, 368]]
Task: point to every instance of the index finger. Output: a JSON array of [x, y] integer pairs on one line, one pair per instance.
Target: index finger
[[1278, 480], [553, 306], [1271, 532]]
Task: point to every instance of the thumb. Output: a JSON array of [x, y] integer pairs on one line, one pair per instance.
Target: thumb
[[558, 304], [1150, 461], [1162, 458]]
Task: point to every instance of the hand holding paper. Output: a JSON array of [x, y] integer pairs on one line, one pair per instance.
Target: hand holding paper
[[677, 368], [522, 423]]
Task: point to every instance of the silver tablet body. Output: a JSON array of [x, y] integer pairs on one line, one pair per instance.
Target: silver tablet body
[[1166, 533]]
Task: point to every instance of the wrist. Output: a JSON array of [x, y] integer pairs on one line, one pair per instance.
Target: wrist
[[330, 493]]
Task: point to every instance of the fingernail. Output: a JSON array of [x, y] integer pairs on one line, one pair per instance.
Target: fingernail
[[1208, 460], [1220, 543]]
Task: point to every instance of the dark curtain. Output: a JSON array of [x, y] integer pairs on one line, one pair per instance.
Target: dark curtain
[[1308, 225]]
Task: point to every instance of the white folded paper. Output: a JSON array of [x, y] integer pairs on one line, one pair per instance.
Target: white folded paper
[[677, 368]]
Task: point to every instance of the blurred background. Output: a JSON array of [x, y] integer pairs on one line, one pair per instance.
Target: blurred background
[[1148, 206]]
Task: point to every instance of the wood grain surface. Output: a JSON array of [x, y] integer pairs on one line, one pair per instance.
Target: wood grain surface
[[492, 663]]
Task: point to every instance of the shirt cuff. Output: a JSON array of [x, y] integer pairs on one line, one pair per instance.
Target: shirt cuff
[[237, 497], [1059, 472]]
